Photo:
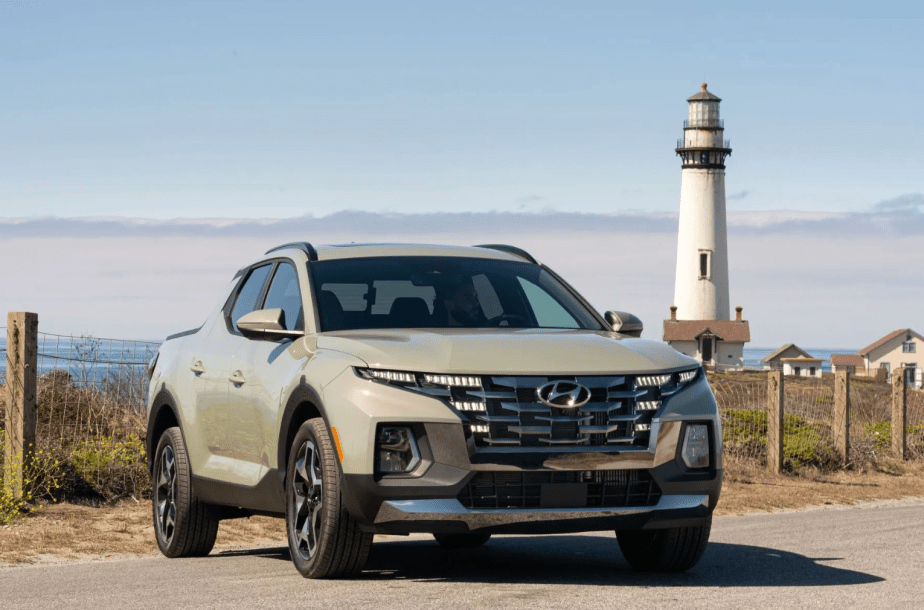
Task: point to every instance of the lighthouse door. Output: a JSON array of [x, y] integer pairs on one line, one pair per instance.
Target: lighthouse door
[[707, 349]]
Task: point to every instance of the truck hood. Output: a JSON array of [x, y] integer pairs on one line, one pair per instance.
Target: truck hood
[[505, 351]]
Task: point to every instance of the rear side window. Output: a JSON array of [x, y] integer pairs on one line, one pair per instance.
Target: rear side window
[[246, 300], [284, 294]]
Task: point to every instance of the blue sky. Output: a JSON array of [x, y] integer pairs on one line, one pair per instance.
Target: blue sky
[[278, 109], [495, 113]]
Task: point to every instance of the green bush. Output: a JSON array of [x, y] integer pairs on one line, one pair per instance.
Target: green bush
[[804, 443]]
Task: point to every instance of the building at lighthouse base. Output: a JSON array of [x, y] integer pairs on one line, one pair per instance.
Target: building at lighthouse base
[[717, 344]]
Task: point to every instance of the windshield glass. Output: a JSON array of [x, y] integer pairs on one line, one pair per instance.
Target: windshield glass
[[442, 292]]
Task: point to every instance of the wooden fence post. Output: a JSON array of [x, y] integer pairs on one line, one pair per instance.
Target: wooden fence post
[[21, 374], [899, 413], [842, 415], [775, 421]]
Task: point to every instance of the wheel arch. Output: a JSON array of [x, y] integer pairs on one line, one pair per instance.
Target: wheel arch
[[164, 414], [304, 403]]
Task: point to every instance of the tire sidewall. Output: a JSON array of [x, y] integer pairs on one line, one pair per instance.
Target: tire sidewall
[[172, 438], [312, 431]]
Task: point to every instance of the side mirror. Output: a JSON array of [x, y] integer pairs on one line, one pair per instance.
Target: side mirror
[[268, 324], [624, 323]]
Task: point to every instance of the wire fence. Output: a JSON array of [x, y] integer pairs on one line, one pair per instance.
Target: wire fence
[[809, 420], [90, 419], [915, 424], [91, 395]]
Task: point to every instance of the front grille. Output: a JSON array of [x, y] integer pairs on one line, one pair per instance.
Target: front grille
[[505, 413], [558, 489], [514, 417]]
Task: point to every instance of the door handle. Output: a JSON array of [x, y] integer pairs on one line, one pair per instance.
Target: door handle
[[237, 378], [197, 367]]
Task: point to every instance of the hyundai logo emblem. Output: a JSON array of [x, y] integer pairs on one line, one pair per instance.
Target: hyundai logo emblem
[[563, 394]]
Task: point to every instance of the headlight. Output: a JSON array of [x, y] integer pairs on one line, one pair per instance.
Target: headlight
[[396, 450], [666, 380], [392, 376], [695, 451]]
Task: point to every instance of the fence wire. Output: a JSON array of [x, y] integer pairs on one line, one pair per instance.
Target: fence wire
[[742, 401], [90, 397], [915, 424]]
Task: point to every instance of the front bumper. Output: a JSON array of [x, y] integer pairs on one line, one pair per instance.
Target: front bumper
[[449, 516]]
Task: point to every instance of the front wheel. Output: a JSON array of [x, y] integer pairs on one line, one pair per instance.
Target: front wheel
[[674, 549], [184, 525], [324, 540]]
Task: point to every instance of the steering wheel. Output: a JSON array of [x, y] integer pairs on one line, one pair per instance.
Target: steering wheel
[[509, 318]]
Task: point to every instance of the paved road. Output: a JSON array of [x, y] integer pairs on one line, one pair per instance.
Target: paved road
[[853, 558]]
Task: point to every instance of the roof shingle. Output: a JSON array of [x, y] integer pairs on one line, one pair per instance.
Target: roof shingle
[[690, 330]]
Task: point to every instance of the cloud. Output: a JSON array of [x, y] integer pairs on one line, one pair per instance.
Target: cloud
[[735, 196], [911, 202], [900, 216]]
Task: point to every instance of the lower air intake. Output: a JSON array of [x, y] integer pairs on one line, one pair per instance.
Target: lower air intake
[[556, 489]]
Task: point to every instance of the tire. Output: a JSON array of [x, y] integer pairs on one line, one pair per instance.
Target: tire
[[461, 541], [669, 550], [324, 540], [184, 526]]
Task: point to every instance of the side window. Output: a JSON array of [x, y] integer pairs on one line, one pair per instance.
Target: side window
[[548, 311], [246, 300], [284, 294]]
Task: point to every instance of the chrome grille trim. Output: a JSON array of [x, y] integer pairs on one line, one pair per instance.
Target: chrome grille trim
[[516, 419]]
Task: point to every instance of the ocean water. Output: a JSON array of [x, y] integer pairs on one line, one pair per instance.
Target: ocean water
[[753, 355]]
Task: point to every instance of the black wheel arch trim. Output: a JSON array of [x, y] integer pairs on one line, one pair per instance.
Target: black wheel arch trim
[[163, 400], [302, 394]]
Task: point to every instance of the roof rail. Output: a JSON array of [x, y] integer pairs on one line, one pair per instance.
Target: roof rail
[[510, 250], [304, 246]]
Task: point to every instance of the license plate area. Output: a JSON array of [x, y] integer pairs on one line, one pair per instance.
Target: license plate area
[[563, 495]]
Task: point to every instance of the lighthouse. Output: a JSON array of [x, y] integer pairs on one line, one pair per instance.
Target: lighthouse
[[700, 324], [701, 283]]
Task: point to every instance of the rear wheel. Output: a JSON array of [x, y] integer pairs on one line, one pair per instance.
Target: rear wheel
[[324, 540], [668, 550], [461, 541], [184, 525]]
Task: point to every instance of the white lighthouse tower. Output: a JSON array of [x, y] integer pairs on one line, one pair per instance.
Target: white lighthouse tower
[[699, 325], [701, 284]]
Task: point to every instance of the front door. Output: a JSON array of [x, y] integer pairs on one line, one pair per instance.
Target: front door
[[707, 349], [261, 368]]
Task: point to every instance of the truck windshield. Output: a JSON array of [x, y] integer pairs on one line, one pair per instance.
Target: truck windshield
[[442, 292]]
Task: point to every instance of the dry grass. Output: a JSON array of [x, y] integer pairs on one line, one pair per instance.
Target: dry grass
[[71, 531], [750, 488]]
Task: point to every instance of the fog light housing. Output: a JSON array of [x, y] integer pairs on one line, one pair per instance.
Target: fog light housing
[[695, 451], [396, 450]]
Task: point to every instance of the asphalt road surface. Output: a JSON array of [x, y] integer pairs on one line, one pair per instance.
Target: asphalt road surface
[[866, 557]]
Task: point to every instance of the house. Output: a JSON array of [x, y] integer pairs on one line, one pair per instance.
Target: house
[[802, 366], [854, 364], [717, 344], [774, 362], [903, 347]]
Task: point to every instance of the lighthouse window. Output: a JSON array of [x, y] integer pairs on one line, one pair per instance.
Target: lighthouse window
[[704, 157], [704, 265]]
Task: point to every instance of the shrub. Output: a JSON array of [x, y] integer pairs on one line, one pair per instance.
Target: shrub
[[40, 479], [804, 443]]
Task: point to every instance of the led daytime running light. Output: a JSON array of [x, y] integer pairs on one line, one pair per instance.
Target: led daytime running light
[[648, 405], [470, 406], [687, 376], [480, 429], [392, 376], [454, 380], [652, 380]]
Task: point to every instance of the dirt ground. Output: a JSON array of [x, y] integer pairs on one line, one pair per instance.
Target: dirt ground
[[66, 532]]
